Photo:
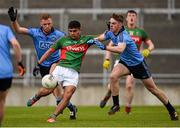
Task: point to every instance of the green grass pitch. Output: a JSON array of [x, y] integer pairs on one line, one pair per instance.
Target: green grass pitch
[[90, 116]]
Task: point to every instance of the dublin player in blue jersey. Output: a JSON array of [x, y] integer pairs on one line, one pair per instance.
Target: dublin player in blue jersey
[[6, 67], [140, 37], [130, 62], [43, 37]]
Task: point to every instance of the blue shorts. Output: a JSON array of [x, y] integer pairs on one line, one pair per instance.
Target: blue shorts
[[139, 71], [5, 83]]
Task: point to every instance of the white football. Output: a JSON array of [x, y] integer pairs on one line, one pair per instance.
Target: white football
[[48, 81]]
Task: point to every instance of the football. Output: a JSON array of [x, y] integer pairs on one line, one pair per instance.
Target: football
[[48, 81]]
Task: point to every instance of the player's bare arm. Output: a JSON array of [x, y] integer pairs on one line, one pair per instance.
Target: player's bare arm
[[17, 49], [150, 45], [18, 54], [106, 63], [146, 52], [108, 53], [100, 37], [117, 49], [18, 28], [46, 55]]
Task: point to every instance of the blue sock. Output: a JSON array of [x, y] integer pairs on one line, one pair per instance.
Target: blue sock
[[58, 100], [69, 105]]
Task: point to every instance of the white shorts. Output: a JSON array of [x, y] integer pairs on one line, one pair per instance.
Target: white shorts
[[66, 76], [116, 62]]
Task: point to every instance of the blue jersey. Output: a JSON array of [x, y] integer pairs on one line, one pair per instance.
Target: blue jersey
[[6, 68], [43, 42], [130, 55]]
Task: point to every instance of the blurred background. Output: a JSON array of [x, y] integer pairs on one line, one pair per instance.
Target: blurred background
[[159, 18]]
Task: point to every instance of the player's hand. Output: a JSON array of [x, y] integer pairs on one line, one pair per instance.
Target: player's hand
[[106, 64], [36, 70], [12, 14], [97, 43], [21, 69], [91, 41], [145, 53], [100, 45]]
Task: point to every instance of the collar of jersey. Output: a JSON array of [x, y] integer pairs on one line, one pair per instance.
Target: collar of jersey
[[121, 30]]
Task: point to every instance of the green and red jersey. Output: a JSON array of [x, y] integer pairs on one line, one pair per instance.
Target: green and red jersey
[[138, 35], [72, 51]]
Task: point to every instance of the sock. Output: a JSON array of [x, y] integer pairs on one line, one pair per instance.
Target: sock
[[37, 97], [108, 95], [69, 105], [115, 100], [169, 107], [128, 105], [58, 100]]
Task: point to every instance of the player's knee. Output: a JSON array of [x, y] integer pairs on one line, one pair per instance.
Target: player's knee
[[129, 83], [128, 87], [152, 89], [44, 91], [113, 78], [57, 93]]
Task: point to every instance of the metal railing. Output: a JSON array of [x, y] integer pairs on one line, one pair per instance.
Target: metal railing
[[93, 78]]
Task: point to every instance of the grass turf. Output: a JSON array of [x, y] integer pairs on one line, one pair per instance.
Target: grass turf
[[90, 116]]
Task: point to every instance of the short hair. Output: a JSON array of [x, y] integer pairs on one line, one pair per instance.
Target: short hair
[[131, 11], [118, 17], [45, 16], [74, 24]]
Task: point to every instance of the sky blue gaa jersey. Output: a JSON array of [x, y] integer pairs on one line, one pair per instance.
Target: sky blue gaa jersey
[[43, 42], [6, 68], [130, 55]]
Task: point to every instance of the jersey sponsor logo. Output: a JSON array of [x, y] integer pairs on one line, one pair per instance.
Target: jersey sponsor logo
[[44, 45], [77, 48]]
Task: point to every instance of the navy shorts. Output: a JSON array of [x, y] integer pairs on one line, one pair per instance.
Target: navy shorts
[[139, 71], [5, 83], [45, 70]]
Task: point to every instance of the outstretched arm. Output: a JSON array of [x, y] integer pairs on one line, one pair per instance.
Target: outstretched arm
[[46, 55], [13, 17], [100, 37], [18, 54], [18, 28]]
